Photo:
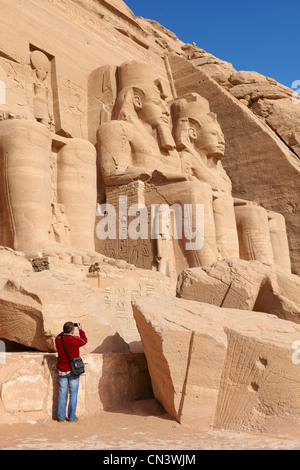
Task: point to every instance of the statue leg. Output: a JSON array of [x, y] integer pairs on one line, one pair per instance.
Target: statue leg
[[188, 195], [279, 240], [253, 231], [77, 190], [226, 231], [25, 189]]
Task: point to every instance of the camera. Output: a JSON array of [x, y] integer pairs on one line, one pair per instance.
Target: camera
[[76, 324]]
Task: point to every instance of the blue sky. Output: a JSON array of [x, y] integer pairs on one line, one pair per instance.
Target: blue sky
[[261, 36]]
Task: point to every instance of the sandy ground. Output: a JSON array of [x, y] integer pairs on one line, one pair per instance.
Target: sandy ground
[[141, 426]]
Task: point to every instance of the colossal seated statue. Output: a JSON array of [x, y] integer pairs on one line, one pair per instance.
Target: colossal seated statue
[[26, 188], [201, 145], [42, 172], [180, 168], [137, 145], [138, 140], [243, 228]]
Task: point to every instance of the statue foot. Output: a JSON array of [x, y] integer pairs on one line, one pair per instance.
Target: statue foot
[[71, 254], [79, 256]]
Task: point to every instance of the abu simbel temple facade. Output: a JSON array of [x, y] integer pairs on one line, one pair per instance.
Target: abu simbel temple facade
[[149, 191]]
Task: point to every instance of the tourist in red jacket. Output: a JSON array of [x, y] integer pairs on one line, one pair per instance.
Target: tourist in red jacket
[[66, 380]]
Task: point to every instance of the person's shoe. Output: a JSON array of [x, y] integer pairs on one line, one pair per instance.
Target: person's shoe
[[62, 420], [73, 420]]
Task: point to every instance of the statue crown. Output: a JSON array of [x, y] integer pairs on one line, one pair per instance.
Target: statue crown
[[190, 106]]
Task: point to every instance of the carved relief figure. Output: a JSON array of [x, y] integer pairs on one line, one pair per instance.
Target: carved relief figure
[[53, 171], [165, 244], [72, 97], [15, 94], [60, 224], [109, 249], [139, 253], [41, 100]]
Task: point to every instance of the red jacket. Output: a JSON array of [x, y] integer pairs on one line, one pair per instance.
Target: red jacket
[[73, 343]]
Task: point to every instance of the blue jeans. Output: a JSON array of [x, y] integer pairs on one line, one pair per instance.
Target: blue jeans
[[67, 382]]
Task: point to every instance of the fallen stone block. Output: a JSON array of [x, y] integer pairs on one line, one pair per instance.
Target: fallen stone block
[[246, 285], [29, 385], [224, 368], [34, 308]]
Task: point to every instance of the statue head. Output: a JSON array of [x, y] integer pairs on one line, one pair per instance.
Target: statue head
[[142, 99], [196, 126], [41, 64], [141, 95]]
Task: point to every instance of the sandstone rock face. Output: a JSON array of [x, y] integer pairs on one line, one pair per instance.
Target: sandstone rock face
[[248, 139], [34, 309], [116, 113], [29, 384], [223, 368], [229, 283], [279, 294], [25, 393], [246, 285], [59, 98], [275, 103], [271, 101], [35, 305], [13, 262]]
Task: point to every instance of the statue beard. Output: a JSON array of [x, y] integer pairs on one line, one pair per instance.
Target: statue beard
[[165, 138]]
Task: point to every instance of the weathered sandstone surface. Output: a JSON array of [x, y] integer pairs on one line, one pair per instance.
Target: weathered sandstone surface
[[114, 136], [29, 384], [223, 368], [246, 285], [35, 305]]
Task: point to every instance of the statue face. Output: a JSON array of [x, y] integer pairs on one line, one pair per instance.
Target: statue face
[[210, 139], [151, 108], [41, 74]]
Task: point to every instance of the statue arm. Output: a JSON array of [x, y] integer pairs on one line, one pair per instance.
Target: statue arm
[[127, 175], [244, 202], [115, 156], [171, 177]]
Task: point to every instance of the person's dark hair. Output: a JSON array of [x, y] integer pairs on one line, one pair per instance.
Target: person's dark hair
[[68, 327]]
